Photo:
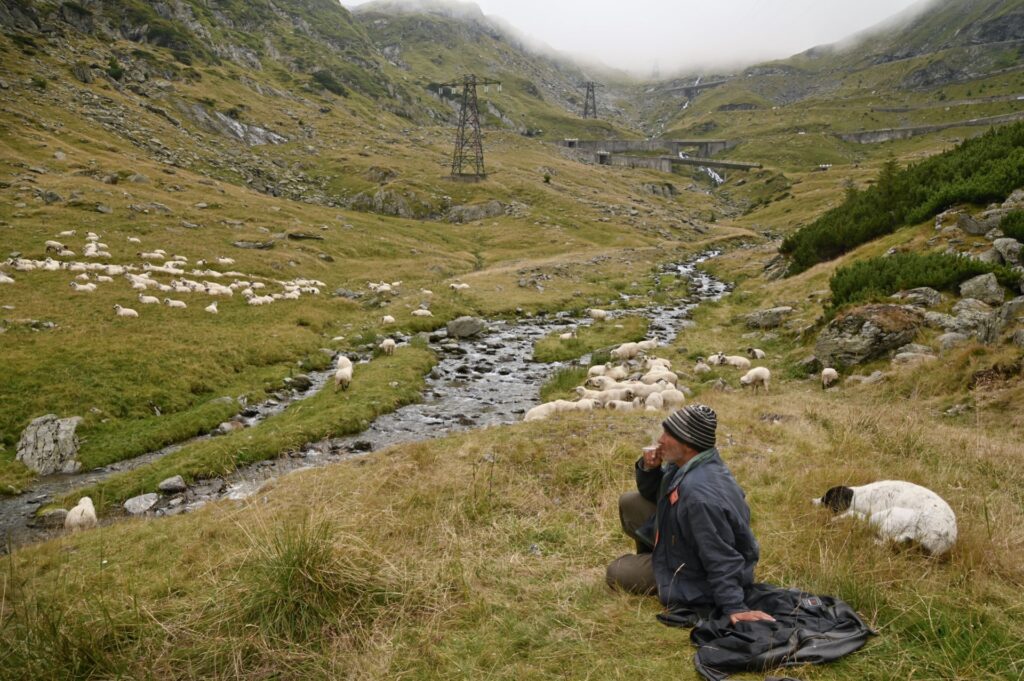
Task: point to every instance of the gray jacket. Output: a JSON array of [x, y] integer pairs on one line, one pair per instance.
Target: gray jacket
[[704, 551]]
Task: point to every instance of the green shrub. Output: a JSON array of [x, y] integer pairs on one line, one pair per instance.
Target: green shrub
[[980, 170], [879, 277], [327, 81], [1012, 225], [114, 69]]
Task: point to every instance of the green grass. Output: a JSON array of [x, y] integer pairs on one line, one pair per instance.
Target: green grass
[[596, 336], [326, 414], [562, 385]]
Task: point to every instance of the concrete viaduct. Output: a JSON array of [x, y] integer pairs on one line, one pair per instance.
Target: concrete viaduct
[[705, 147]]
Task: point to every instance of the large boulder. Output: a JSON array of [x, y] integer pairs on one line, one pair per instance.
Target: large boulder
[[971, 226], [1001, 319], [465, 327], [924, 296], [476, 211], [49, 445], [865, 333], [768, 319], [1009, 250], [142, 503], [950, 340], [983, 287]]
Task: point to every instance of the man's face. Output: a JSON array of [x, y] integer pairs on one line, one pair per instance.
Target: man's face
[[672, 450]]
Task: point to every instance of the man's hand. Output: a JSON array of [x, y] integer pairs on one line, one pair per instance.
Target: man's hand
[[652, 457], [750, 616]]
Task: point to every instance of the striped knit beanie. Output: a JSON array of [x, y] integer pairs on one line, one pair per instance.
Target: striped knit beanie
[[693, 425]]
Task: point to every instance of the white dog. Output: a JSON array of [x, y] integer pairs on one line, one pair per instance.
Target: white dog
[[81, 517], [899, 511]]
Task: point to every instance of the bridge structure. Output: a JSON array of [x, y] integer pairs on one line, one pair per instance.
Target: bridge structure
[[702, 147], [689, 91]]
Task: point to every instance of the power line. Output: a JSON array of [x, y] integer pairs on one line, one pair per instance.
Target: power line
[[590, 100], [469, 148]]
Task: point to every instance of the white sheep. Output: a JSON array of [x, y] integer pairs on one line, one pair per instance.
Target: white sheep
[[387, 319], [4, 279], [548, 409], [54, 246], [568, 335], [88, 288], [134, 240], [387, 346], [343, 374], [828, 377], [178, 304], [618, 373], [68, 232], [104, 279], [585, 405], [672, 399], [654, 376], [82, 516], [225, 261], [619, 405], [422, 313], [211, 308], [626, 351], [605, 383], [596, 370], [700, 367], [655, 401], [458, 286], [652, 362], [597, 315], [721, 359], [648, 345], [755, 353], [615, 395], [125, 311], [757, 377], [426, 292], [148, 300]]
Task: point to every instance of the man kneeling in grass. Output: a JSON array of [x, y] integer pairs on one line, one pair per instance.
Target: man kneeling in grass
[[691, 524]]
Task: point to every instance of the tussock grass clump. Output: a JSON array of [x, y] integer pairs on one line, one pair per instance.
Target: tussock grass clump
[[599, 335], [561, 385]]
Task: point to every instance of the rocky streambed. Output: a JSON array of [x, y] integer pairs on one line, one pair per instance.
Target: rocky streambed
[[484, 380]]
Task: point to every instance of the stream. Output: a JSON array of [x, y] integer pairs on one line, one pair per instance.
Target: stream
[[482, 381]]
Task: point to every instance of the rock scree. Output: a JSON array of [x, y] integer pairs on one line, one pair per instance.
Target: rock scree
[[865, 333]]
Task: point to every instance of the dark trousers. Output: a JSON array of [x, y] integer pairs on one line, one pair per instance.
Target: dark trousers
[[633, 572]]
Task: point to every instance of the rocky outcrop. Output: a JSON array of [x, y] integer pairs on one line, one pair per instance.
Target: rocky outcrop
[[1009, 250], [476, 211], [923, 297], [866, 333], [173, 485], [465, 327], [971, 226], [983, 287], [221, 124], [142, 503], [768, 319], [49, 445], [400, 203]]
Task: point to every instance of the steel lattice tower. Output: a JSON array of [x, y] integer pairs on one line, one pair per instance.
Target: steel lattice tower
[[590, 101], [469, 148]]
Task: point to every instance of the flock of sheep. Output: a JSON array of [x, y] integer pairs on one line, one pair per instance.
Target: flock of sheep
[[639, 380], [93, 273]]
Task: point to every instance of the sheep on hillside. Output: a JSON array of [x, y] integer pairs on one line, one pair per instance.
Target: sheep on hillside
[[343, 374], [387, 346], [828, 377], [125, 311], [755, 353], [597, 315], [81, 517], [757, 377], [721, 359]]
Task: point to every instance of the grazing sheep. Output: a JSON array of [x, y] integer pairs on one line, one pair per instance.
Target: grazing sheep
[[568, 335], [828, 377], [134, 240], [387, 319], [721, 359], [588, 394], [596, 370], [82, 516], [626, 351], [149, 300], [899, 511], [758, 376], [548, 409], [211, 308], [458, 286], [179, 304], [426, 292], [615, 395], [605, 383], [104, 279], [225, 261], [88, 288], [755, 353], [597, 315], [652, 377], [618, 373], [585, 405], [642, 390], [54, 246], [654, 401], [700, 367], [387, 346], [648, 345], [652, 362], [672, 398], [343, 375], [422, 313], [69, 232], [125, 311], [4, 279]]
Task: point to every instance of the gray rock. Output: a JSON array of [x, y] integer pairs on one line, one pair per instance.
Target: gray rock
[[865, 333], [142, 503], [49, 445], [465, 327], [875, 377], [82, 72], [948, 341], [257, 245], [1018, 338], [912, 358], [983, 287], [476, 211], [301, 382], [52, 519], [1000, 320], [989, 257], [916, 348], [810, 365], [939, 320], [173, 485], [1015, 199], [768, 319], [924, 296], [1009, 249], [971, 226]]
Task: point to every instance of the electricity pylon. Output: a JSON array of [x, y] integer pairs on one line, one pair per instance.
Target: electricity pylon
[[469, 148], [590, 100]]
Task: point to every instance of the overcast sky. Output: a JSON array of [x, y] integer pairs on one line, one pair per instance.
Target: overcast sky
[[640, 34]]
